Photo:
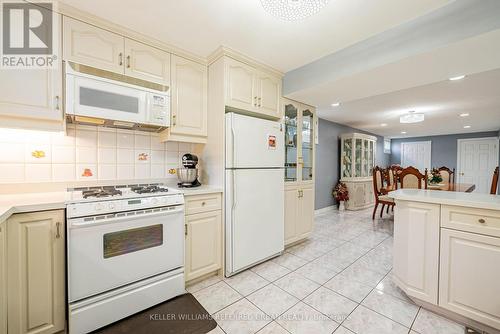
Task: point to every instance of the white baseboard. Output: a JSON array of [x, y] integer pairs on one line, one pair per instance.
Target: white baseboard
[[327, 209]]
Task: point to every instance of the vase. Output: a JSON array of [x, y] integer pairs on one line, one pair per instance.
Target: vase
[[341, 206]]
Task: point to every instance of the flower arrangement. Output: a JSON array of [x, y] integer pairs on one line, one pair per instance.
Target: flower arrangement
[[435, 176], [340, 192]]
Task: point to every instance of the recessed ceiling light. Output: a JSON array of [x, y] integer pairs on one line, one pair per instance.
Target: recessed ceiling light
[[293, 10], [459, 77], [464, 114], [383, 124], [336, 104], [466, 126], [403, 132], [412, 117]]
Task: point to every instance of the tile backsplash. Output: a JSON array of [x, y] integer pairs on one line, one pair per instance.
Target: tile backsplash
[[86, 153]]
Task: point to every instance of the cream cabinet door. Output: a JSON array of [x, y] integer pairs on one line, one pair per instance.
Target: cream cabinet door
[[36, 277], [146, 62], [86, 44], [189, 97], [269, 95], [3, 280], [306, 212], [241, 86], [291, 214], [416, 249], [203, 244], [470, 275]]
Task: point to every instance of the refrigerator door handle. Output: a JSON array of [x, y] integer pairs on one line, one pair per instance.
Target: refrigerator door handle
[[233, 141]]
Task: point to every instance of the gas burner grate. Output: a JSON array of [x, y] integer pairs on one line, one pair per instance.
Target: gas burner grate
[[101, 192], [148, 189]]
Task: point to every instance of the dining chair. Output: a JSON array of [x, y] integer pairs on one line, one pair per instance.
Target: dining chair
[[380, 192], [411, 178], [390, 177], [447, 174], [494, 182]]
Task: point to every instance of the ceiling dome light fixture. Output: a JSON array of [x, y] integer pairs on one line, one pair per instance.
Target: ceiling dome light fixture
[[412, 117], [460, 77], [293, 10]]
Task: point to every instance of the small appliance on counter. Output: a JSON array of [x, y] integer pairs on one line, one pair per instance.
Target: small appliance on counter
[[188, 175]]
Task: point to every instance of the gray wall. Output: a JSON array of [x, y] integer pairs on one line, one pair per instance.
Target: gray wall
[[443, 150], [328, 159]]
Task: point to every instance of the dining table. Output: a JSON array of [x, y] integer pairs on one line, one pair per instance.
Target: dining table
[[456, 187]]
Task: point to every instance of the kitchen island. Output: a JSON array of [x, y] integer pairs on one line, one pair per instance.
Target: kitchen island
[[447, 254]]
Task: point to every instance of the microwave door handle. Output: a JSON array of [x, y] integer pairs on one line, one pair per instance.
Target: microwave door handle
[[72, 225]]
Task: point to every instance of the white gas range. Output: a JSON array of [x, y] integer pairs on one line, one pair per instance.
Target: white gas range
[[125, 252]]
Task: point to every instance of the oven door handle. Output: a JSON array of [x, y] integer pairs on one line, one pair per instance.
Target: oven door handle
[[73, 224]]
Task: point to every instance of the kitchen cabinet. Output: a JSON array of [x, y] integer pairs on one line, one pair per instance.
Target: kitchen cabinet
[[92, 46], [189, 95], [358, 153], [299, 126], [36, 277], [252, 90], [203, 230], [416, 249], [3, 280], [468, 282], [146, 62], [32, 94], [299, 213]]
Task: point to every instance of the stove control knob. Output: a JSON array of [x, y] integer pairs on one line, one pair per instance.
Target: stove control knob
[[154, 200], [111, 206], [98, 207]]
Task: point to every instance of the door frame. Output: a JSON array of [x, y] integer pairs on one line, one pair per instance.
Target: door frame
[[460, 141], [418, 142]]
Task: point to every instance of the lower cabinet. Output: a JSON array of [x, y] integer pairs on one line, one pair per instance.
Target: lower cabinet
[[416, 245], [3, 271], [299, 212], [36, 277], [360, 194], [203, 253], [468, 281]]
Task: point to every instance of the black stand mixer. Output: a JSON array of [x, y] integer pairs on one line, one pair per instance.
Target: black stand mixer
[[188, 175]]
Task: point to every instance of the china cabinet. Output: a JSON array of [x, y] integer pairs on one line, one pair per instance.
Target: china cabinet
[[357, 160], [299, 127]]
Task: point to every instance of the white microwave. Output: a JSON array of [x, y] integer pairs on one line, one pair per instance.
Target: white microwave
[[99, 97]]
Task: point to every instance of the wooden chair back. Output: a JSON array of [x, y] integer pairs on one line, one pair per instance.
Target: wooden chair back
[[378, 181], [390, 176], [447, 174], [411, 178], [494, 182]]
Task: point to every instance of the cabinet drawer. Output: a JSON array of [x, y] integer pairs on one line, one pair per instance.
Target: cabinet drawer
[[471, 220], [203, 203]]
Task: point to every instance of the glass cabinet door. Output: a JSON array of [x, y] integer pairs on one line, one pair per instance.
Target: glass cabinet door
[[307, 143], [366, 161], [358, 154], [346, 158], [291, 123], [371, 159]]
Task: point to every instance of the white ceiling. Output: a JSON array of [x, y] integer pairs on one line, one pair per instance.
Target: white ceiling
[[200, 26], [441, 102]]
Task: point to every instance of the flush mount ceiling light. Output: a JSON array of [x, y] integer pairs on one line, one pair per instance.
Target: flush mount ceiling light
[[464, 114], [412, 117], [336, 104], [459, 77], [403, 132], [293, 10], [466, 126], [383, 124]]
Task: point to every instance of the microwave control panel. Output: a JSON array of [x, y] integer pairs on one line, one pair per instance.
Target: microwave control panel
[[159, 109]]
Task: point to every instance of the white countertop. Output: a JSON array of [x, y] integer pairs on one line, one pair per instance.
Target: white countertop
[[201, 190], [471, 200], [31, 202]]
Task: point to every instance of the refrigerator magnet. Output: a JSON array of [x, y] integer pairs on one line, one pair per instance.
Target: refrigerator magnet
[[271, 142]]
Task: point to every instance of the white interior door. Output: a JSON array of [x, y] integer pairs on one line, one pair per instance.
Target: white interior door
[[417, 154], [477, 158]]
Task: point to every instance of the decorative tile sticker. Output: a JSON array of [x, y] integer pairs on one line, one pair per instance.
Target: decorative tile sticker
[[172, 171], [143, 157], [87, 172], [38, 154]]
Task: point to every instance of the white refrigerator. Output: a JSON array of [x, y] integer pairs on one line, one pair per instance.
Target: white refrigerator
[[254, 191]]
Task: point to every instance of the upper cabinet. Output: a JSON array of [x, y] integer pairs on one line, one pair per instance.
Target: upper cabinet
[[189, 97], [145, 62], [89, 45], [32, 93], [252, 90]]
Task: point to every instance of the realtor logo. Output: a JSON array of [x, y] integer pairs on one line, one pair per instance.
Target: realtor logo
[[28, 35]]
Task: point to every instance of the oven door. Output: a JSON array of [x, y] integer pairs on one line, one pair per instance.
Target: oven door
[[104, 99], [106, 252]]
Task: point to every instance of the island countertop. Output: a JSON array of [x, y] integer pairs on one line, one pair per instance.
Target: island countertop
[[471, 200]]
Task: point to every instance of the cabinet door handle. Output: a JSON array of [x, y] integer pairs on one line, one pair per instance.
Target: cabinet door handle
[[174, 120], [57, 102], [128, 61], [260, 103], [120, 56], [482, 221], [185, 229], [58, 232], [255, 101], [203, 203]]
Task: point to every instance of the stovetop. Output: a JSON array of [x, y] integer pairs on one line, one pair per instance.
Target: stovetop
[[105, 193]]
